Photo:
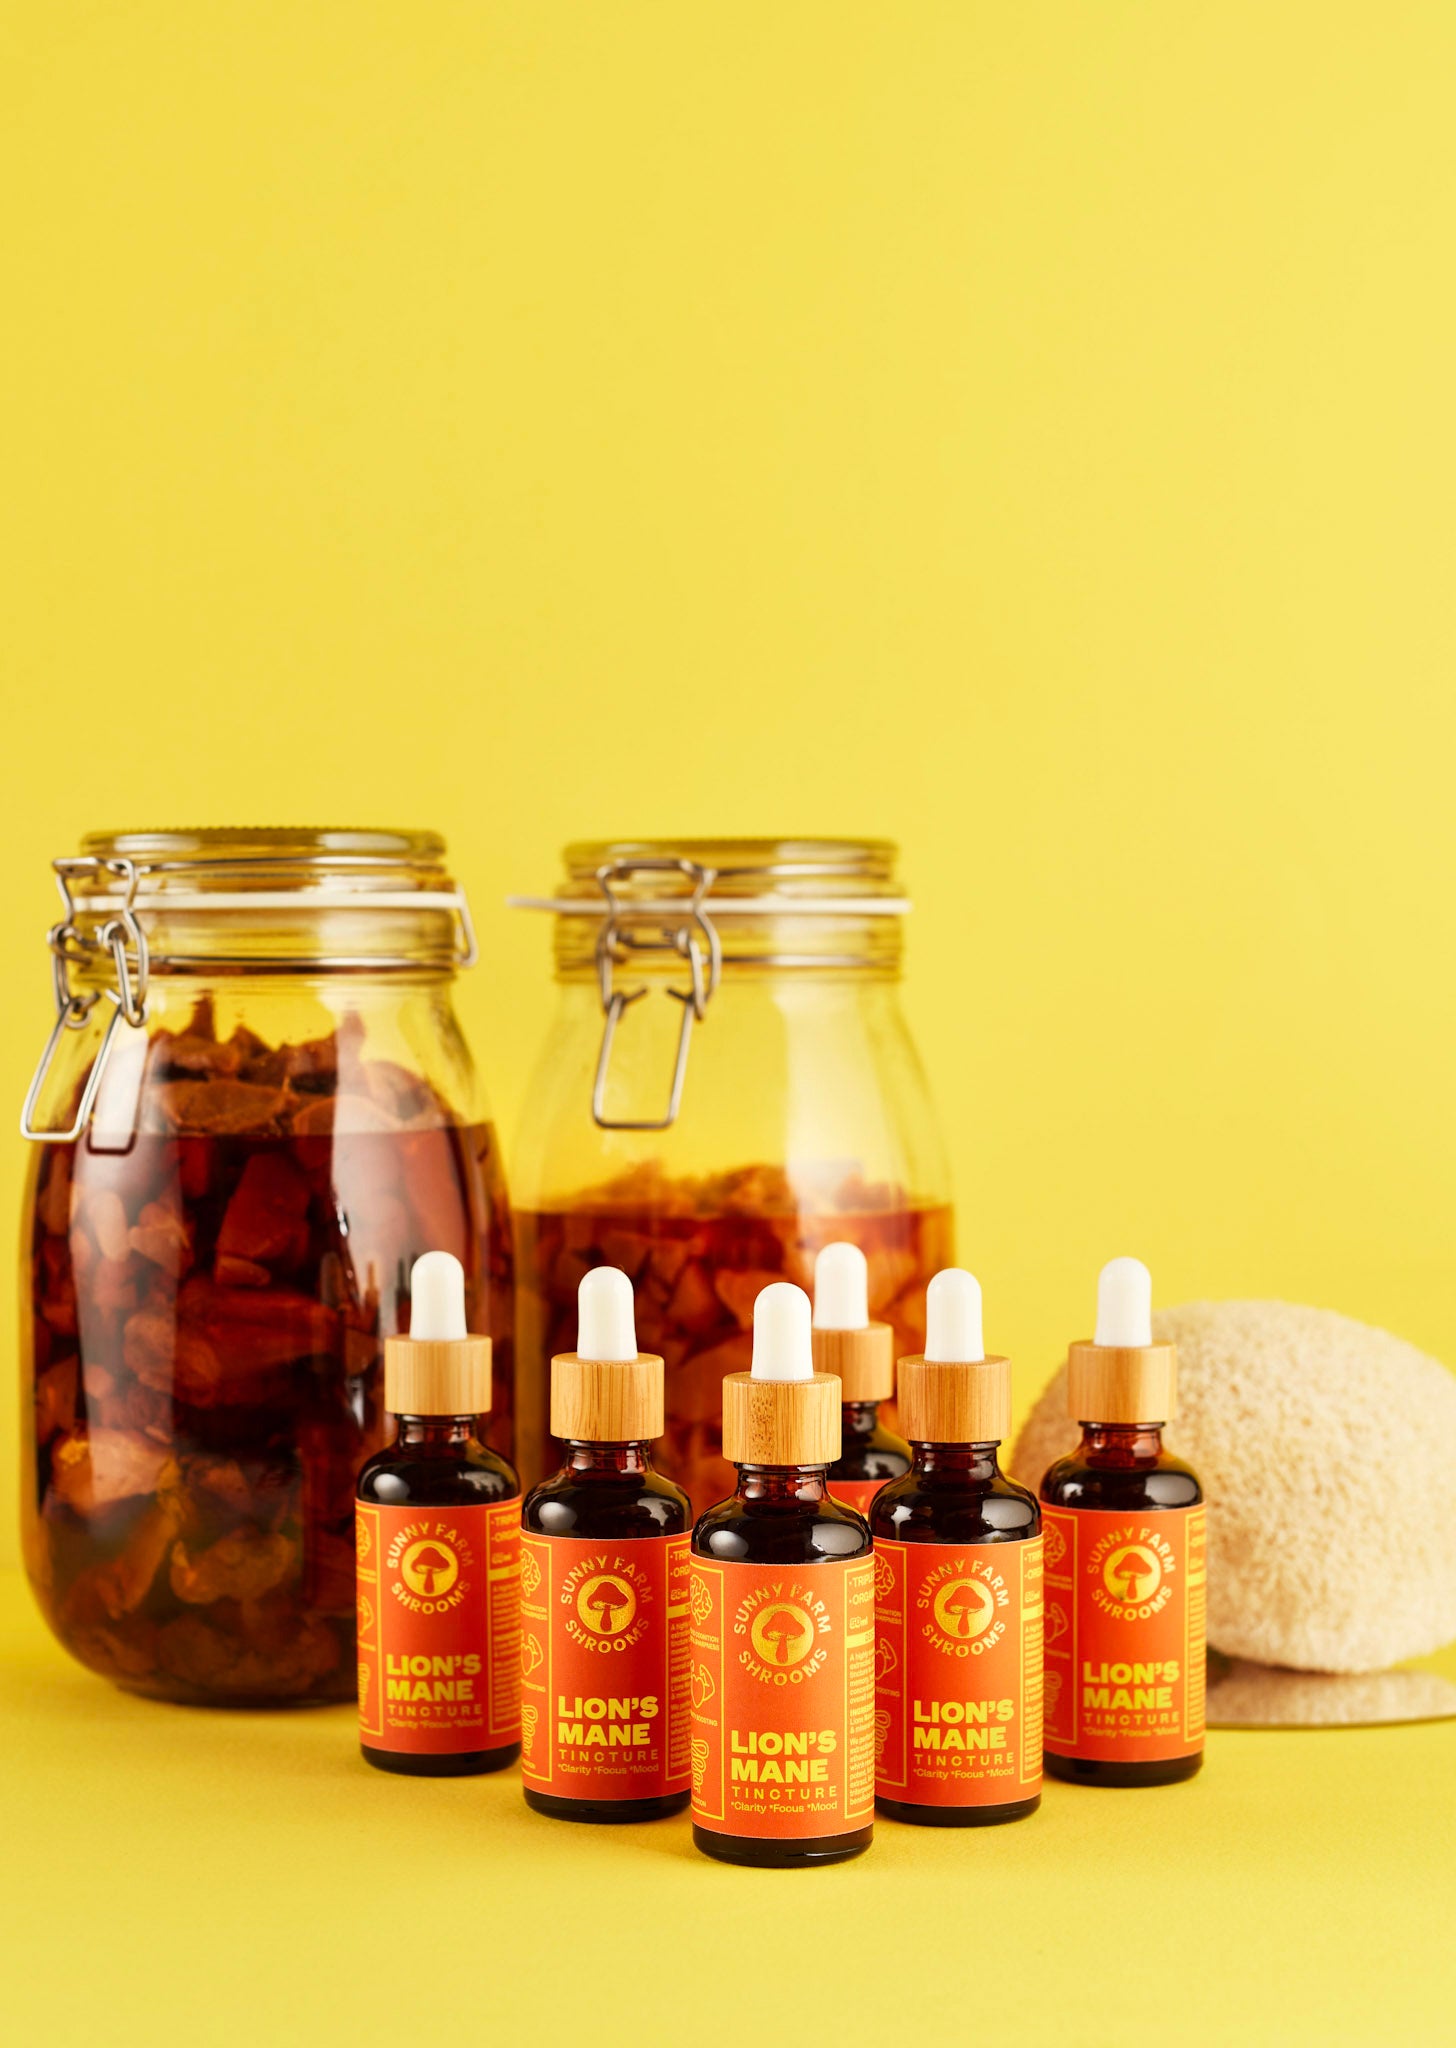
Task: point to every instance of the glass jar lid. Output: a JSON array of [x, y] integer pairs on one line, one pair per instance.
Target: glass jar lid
[[236, 900], [737, 878], [285, 898], [659, 906]]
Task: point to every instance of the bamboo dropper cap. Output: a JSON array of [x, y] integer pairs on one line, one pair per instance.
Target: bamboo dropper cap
[[439, 1368], [846, 1342], [1122, 1376], [782, 1412], [606, 1391], [954, 1393]]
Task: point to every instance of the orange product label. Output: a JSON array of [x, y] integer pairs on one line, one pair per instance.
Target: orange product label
[[1126, 1598], [783, 1697], [604, 1666], [855, 1493], [439, 1626], [958, 1672]]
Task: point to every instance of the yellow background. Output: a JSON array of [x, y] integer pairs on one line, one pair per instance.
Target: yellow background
[[1024, 431]]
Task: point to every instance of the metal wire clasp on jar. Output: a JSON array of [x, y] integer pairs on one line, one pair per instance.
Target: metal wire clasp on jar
[[727, 1084]]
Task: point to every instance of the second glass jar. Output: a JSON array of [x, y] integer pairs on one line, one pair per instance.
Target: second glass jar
[[728, 1085]]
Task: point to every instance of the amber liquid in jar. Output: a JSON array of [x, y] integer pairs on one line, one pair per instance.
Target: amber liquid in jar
[[209, 1306], [698, 1253]]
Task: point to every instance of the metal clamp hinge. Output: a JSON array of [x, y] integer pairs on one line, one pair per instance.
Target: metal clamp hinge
[[692, 937], [122, 937]]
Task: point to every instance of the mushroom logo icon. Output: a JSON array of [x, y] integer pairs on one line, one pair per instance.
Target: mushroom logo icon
[[963, 1608], [429, 1568], [1132, 1574], [606, 1604], [782, 1634]]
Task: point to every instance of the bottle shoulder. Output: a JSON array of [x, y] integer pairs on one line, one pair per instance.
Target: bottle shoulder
[[739, 1531], [881, 1455], [618, 1506], [952, 1509], [1077, 1481], [399, 1477]]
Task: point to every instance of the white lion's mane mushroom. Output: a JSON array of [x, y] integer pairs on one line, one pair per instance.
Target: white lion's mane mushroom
[[1327, 1452]]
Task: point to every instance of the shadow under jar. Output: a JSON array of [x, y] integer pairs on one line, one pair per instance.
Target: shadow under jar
[[728, 1085], [257, 1110]]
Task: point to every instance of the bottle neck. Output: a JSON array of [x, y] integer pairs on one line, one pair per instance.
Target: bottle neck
[[434, 1432], [860, 1418], [969, 1462], [1122, 1446], [791, 1485], [584, 1456]]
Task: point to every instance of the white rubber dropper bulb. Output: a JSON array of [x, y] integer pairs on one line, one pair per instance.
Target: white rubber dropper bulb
[[953, 1319], [1124, 1305], [783, 1343], [841, 1288], [437, 1299], [606, 1329]]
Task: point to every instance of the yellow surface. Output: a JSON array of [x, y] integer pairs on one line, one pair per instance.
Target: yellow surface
[[229, 1879], [1026, 431]]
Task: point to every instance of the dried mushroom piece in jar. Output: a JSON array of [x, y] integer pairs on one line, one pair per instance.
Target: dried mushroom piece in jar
[[699, 1251], [209, 1310]]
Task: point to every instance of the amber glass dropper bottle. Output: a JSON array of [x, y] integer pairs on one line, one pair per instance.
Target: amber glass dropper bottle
[[862, 1355], [1125, 1561], [438, 1529], [604, 1570], [958, 1612], [782, 1598]]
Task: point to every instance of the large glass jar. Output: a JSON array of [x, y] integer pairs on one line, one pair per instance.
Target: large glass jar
[[256, 1110], [728, 1085]]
